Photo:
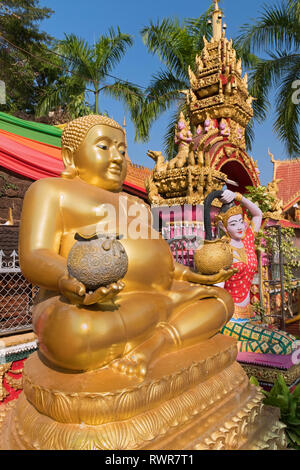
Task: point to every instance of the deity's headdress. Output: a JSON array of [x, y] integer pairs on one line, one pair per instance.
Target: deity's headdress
[[228, 210]]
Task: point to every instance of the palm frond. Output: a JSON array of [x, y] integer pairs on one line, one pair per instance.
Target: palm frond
[[169, 40], [276, 28], [265, 75], [165, 83], [61, 94], [288, 111], [131, 95], [78, 57], [170, 149], [110, 49], [162, 93], [198, 28], [249, 135]]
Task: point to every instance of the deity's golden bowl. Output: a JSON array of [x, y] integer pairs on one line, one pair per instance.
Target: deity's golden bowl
[[97, 261], [213, 256]]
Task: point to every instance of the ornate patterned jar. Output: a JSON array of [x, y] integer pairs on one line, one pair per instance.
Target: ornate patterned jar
[[97, 261], [213, 256]]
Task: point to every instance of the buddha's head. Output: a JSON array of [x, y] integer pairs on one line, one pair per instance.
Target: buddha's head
[[94, 149], [231, 220]]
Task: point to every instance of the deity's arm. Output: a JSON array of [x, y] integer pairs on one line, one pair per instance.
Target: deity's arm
[[40, 235], [254, 211], [228, 196]]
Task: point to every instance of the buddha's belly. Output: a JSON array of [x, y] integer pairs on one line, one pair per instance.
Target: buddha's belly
[[150, 263], [150, 266]]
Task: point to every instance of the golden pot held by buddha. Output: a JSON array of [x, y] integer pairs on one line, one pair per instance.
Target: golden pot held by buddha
[[97, 261], [213, 256]]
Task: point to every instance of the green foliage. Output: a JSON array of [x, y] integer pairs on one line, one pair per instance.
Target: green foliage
[[289, 404], [260, 196], [290, 253], [7, 185], [260, 310], [276, 33], [86, 71], [267, 242], [176, 45], [24, 73]]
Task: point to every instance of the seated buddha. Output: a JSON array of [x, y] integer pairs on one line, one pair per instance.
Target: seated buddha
[[158, 305]]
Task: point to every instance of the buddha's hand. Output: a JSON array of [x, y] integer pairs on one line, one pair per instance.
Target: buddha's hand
[[72, 289], [76, 293], [210, 279], [104, 294]]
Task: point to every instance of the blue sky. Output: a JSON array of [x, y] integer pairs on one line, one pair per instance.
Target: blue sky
[[91, 18]]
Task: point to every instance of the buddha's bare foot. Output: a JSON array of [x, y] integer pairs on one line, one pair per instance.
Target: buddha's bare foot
[[136, 362]]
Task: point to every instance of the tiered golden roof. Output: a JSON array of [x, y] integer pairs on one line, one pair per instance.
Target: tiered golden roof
[[218, 90], [219, 108]]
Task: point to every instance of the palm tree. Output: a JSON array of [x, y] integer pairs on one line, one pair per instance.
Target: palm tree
[[276, 33], [88, 69], [176, 44]]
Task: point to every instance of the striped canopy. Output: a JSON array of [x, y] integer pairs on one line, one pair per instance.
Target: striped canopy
[[29, 148], [33, 150]]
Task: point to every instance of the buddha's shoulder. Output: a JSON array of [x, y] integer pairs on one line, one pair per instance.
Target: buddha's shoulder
[[133, 199], [52, 183], [49, 187]]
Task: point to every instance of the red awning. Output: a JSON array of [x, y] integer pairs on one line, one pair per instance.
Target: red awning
[[282, 222], [27, 161], [287, 223]]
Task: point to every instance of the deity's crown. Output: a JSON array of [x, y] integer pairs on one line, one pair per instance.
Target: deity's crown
[[76, 130], [224, 216]]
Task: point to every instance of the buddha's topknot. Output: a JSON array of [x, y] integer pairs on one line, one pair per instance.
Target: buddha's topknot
[[76, 130]]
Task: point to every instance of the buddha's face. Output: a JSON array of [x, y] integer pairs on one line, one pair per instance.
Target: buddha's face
[[100, 159], [236, 227]]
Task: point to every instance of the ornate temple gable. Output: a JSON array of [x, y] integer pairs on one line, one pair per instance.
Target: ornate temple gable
[[211, 141], [283, 171]]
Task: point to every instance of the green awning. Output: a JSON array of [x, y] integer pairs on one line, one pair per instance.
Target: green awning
[[32, 130]]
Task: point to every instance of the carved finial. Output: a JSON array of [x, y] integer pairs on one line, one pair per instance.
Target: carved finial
[[192, 77], [216, 4], [10, 220], [271, 155], [217, 22]]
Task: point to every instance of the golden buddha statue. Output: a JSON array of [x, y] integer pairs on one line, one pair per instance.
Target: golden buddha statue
[[173, 311], [138, 364]]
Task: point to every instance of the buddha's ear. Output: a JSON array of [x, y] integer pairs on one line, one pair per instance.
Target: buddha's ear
[[67, 157]]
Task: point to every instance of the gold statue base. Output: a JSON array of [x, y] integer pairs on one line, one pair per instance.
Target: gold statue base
[[192, 399]]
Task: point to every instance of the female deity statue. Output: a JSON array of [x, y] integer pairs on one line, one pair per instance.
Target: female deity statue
[[251, 337]]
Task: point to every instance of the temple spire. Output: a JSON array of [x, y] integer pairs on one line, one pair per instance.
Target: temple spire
[[217, 21]]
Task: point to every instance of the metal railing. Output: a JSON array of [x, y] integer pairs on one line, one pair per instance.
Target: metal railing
[[280, 299], [183, 249], [16, 296]]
